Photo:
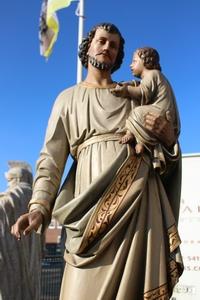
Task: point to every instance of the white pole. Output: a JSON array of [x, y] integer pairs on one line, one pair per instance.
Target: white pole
[[80, 36]]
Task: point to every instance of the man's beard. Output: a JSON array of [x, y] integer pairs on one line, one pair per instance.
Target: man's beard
[[99, 65]]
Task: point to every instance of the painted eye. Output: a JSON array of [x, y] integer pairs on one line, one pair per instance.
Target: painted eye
[[101, 42]]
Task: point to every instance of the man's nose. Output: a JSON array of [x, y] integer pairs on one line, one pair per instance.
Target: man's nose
[[106, 46]]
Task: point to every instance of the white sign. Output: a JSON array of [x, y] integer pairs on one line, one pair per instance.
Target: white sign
[[188, 287]]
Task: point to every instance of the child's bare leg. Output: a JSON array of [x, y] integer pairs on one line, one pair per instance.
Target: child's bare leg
[[127, 138], [139, 148]]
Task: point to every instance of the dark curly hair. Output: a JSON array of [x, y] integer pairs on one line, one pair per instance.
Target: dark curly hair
[[150, 58], [84, 46]]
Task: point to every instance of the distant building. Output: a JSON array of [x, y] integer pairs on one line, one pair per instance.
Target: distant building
[[188, 287], [53, 233]]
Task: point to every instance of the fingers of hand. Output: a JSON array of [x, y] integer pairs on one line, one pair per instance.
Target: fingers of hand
[[30, 228], [155, 123], [15, 232], [119, 89], [149, 121], [19, 226], [115, 91], [26, 223], [122, 140]]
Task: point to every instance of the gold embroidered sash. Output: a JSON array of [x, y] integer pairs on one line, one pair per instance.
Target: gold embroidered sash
[[111, 201]]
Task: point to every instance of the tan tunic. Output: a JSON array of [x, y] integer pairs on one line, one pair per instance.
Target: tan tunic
[[113, 204]]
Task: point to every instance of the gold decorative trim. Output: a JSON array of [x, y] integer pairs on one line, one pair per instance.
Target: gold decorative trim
[[174, 273], [111, 201], [160, 293], [164, 291], [174, 239]]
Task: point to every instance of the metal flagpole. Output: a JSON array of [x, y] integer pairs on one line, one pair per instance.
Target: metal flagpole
[[80, 14]]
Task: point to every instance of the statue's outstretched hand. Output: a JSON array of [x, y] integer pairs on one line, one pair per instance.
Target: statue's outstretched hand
[[27, 223]]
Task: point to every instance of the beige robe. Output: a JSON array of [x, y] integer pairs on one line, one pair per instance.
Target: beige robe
[[122, 241]]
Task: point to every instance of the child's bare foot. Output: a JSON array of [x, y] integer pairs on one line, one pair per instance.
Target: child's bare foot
[[139, 148], [127, 138]]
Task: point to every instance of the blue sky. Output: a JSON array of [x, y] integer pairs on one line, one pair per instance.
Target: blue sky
[[29, 84]]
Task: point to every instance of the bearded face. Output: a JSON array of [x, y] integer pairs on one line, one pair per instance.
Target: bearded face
[[103, 50], [100, 65]]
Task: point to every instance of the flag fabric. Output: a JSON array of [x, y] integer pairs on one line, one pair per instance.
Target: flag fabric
[[49, 24]]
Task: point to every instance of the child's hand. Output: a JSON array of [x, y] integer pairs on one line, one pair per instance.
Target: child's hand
[[120, 91]]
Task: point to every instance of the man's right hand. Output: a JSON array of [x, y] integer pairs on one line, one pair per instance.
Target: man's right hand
[[27, 223]]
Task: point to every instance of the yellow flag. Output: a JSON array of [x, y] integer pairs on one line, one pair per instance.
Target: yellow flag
[[54, 5], [49, 25]]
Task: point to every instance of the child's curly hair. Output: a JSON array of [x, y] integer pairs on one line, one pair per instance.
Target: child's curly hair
[[150, 58]]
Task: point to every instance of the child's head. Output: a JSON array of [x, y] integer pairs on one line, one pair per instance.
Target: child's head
[[144, 59], [150, 58]]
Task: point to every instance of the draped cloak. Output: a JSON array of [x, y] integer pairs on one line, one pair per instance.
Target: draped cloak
[[122, 239]]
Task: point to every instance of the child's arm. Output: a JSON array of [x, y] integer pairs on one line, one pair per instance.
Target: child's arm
[[134, 92], [127, 90]]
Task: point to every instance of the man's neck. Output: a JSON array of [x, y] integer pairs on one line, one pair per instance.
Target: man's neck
[[98, 77]]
